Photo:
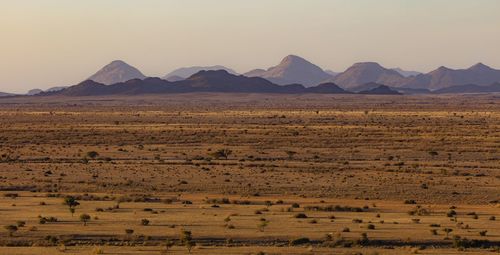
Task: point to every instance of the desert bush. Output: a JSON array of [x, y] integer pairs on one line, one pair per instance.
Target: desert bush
[[300, 216], [145, 222], [299, 241], [92, 154], [221, 153], [11, 229]]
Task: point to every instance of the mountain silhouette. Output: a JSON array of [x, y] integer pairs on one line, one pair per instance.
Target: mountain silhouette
[[380, 90], [470, 88], [406, 73], [115, 72], [204, 81], [186, 72], [444, 77], [292, 70], [366, 72]]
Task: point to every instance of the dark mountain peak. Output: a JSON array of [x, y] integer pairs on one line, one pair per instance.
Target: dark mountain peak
[[210, 73], [186, 72], [115, 72], [328, 88], [380, 90], [88, 83]]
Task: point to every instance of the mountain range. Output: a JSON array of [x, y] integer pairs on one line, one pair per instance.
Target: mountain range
[[444, 77], [292, 75], [3, 94], [204, 81]]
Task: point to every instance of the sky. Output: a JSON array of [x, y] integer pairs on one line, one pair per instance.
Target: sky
[[46, 43]]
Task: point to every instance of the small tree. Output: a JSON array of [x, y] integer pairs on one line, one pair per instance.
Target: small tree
[[168, 244], [262, 225], [11, 229], [84, 218], [187, 240], [129, 232], [447, 231], [190, 245], [71, 203]]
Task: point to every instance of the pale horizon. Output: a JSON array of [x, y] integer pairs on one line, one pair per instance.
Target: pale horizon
[[56, 42]]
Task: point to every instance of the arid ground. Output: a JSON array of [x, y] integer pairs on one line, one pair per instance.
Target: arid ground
[[250, 174]]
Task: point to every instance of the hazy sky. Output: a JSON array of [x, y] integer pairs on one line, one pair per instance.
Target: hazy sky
[[46, 43]]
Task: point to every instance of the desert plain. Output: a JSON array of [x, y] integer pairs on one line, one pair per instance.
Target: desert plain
[[250, 174]]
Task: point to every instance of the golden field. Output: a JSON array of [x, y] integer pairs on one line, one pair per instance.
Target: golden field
[[251, 174]]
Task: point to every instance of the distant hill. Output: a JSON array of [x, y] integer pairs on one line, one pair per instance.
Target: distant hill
[[406, 73], [3, 94], [362, 73], [372, 85], [38, 91], [444, 77], [115, 72], [292, 70], [380, 90], [175, 78], [223, 81], [470, 88], [55, 88], [328, 88], [331, 73], [186, 72], [34, 92]]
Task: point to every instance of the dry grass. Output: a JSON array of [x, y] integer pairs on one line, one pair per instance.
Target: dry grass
[[370, 153]]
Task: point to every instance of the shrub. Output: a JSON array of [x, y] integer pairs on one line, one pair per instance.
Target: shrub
[[92, 154], [370, 226], [299, 241], [300, 216], [11, 229], [222, 153], [145, 222]]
